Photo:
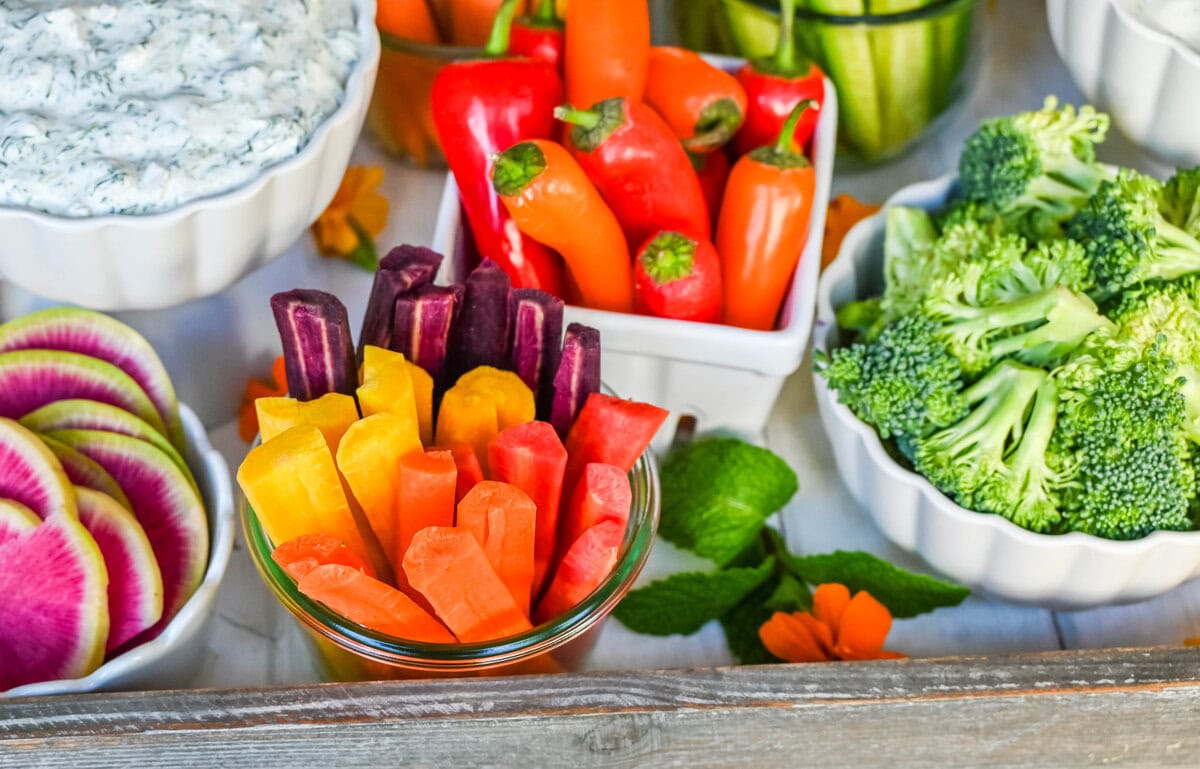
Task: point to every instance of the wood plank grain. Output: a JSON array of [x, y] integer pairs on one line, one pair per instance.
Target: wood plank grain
[[1072, 708]]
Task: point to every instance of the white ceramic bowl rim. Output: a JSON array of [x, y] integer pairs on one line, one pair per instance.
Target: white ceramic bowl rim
[[1182, 48], [914, 195], [232, 198], [220, 518]]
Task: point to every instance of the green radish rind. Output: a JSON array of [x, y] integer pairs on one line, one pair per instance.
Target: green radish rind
[[15, 520], [135, 586], [82, 471], [29, 379], [81, 414], [86, 332], [54, 601], [165, 504], [30, 473]]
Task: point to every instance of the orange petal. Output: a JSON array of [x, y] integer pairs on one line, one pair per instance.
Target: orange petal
[[821, 632], [370, 212], [864, 628], [829, 602], [333, 233], [279, 376], [789, 639]]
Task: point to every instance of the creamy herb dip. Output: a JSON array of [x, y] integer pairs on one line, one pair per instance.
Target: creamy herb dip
[[1178, 18], [137, 106]]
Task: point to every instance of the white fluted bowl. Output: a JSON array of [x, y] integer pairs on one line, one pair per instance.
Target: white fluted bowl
[[141, 262], [1148, 81], [985, 552], [173, 657]]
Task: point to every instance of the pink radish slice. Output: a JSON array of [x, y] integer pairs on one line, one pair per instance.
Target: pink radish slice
[[164, 503], [87, 332], [82, 471], [54, 603], [31, 474], [29, 379], [15, 520], [135, 586]]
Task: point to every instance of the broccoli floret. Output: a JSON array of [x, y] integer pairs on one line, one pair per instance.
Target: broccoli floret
[[907, 260], [1126, 467], [1048, 264], [1025, 488], [904, 381], [1127, 239], [1038, 329], [1040, 164], [1181, 201], [974, 460]]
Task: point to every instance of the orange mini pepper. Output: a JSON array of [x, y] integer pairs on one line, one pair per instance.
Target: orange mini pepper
[[762, 227], [607, 50], [703, 104], [552, 201]]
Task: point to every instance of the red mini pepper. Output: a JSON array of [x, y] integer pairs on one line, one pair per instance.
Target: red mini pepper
[[678, 277], [482, 107], [639, 167], [539, 36], [712, 169], [763, 226], [774, 86], [703, 104]]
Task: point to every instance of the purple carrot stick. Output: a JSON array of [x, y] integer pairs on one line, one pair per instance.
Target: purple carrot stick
[[318, 354], [481, 333], [578, 376], [423, 322], [536, 319], [404, 269]]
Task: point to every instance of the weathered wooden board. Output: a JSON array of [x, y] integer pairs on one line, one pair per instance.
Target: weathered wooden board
[[1124, 708]]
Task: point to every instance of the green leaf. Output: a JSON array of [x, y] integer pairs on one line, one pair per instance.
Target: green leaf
[[718, 492], [364, 254], [904, 594], [741, 624], [791, 595], [682, 603]]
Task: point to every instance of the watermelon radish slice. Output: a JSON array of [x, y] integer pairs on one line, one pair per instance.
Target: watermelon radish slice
[[135, 587], [31, 474], [80, 414], [164, 503], [15, 520], [29, 379], [72, 329], [54, 600], [82, 471]]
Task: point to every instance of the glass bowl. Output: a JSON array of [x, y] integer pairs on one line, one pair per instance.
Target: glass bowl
[[400, 116], [896, 74], [347, 651]]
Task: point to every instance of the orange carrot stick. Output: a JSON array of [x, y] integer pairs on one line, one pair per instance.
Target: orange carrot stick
[[586, 565], [302, 554], [425, 491], [371, 603], [450, 569], [552, 201], [502, 518]]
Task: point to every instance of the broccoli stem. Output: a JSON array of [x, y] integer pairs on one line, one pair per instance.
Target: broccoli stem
[[1175, 254], [1032, 479]]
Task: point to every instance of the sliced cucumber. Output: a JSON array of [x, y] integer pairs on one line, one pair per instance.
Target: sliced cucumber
[[753, 30], [845, 55], [904, 65]]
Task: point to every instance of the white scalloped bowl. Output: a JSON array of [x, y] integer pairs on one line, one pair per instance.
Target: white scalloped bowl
[[140, 262], [1148, 81], [983, 551], [173, 657]]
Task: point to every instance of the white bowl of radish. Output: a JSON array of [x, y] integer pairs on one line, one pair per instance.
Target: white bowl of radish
[[116, 513]]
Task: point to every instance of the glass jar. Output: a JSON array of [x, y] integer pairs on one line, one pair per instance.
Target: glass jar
[[347, 651], [400, 116], [897, 75]]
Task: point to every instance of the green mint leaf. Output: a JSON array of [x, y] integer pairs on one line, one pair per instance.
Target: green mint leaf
[[904, 593], [718, 492], [741, 624], [791, 595], [682, 603]]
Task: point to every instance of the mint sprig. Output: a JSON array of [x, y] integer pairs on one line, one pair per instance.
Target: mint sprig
[[717, 496]]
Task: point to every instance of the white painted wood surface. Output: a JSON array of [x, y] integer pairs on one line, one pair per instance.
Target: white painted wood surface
[[212, 345]]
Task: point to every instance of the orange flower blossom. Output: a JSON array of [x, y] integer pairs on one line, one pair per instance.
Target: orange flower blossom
[[355, 217], [255, 389], [838, 628]]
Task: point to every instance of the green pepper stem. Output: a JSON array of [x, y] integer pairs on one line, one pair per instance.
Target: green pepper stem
[[545, 13], [785, 49], [587, 118], [497, 44], [783, 144], [670, 256], [515, 168]]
